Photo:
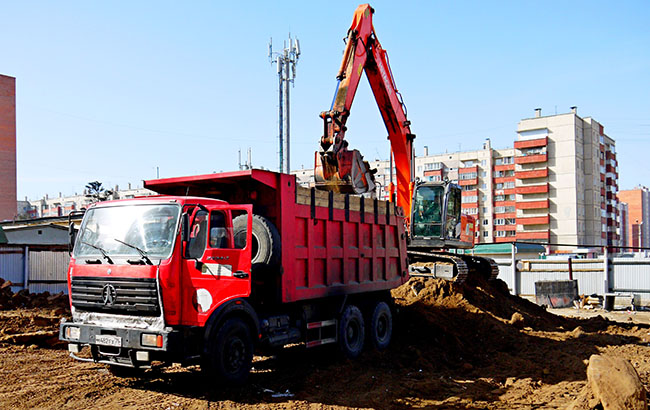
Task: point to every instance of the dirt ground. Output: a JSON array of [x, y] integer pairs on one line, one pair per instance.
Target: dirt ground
[[470, 346]]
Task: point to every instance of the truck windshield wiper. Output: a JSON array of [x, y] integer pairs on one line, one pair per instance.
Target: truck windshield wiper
[[104, 254], [142, 253]]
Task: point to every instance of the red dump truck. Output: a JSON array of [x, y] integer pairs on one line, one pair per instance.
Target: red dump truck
[[221, 264]]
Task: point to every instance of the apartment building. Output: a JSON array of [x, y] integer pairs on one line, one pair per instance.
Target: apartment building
[[566, 180], [557, 184], [637, 227], [7, 147]]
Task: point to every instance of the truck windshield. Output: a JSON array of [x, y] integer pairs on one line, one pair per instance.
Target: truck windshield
[[121, 230]]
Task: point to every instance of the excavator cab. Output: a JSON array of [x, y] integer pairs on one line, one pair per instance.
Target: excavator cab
[[436, 220]]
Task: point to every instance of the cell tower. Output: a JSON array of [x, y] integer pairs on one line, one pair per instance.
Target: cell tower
[[286, 61]]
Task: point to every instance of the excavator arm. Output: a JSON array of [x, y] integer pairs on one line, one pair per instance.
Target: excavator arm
[[338, 168]]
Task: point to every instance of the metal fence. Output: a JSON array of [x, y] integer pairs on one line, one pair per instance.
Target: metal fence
[[594, 276], [36, 269]]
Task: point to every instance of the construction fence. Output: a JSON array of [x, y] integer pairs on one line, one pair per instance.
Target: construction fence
[[38, 269], [602, 275]]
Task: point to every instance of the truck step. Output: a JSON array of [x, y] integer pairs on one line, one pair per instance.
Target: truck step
[[321, 333]]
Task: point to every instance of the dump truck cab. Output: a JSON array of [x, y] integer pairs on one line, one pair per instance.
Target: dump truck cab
[[144, 270]]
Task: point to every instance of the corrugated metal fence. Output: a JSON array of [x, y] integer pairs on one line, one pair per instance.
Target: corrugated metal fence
[[624, 275], [38, 269]]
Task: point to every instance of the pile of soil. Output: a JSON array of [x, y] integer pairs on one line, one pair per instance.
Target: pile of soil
[[31, 319], [25, 299]]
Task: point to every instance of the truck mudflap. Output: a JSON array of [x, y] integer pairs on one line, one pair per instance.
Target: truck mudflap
[[121, 346]]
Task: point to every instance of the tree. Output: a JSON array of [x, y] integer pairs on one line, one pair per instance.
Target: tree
[[96, 191]]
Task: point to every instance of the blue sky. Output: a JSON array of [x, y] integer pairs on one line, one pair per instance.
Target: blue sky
[[109, 91]]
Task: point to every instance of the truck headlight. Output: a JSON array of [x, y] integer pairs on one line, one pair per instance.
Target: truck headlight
[[72, 333], [152, 340]]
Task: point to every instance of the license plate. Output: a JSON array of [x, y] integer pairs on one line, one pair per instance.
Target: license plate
[[108, 340]]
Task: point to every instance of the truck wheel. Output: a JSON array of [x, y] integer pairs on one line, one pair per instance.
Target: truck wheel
[[230, 353], [351, 332], [266, 239], [381, 326]]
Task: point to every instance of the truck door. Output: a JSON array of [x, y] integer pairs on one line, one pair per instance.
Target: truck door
[[214, 270]]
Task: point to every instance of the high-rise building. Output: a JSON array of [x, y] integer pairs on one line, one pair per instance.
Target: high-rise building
[[567, 179], [638, 216], [557, 184], [7, 147]]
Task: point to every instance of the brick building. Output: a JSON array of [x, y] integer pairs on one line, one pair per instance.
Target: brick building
[[557, 184], [638, 216], [7, 147]]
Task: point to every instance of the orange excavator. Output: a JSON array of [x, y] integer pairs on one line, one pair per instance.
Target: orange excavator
[[432, 209]]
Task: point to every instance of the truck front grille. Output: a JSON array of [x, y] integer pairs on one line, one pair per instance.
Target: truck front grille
[[115, 295]]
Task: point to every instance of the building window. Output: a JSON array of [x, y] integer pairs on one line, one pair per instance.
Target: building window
[[483, 174], [503, 161], [485, 234], [468, 175], [486, 222], [483, 185], [482, 162], [432, 166], [469, 187], [500, 221], [469, 199], [500, 234], [469, 163]]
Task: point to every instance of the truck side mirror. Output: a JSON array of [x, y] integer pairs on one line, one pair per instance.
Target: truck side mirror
[[72, 233], [185, 227]]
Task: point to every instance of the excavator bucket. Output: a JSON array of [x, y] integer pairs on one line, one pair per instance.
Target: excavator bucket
[[345, 172]]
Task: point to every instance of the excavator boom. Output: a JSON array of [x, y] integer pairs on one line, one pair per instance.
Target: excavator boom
[[337, 166], [432, 209]]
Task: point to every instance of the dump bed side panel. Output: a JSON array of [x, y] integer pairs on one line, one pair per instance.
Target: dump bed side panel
[[341, 244]]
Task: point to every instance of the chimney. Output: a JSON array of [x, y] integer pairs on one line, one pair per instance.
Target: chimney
[[538, 112], [129, 185], [574, 110], [426, 151]]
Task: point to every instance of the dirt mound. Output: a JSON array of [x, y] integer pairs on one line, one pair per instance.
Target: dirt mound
[[24, 299], [30, 319]]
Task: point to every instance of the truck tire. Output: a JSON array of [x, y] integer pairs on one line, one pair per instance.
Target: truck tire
[[351, 332], [266, 247], [230, 352], [381, 326]]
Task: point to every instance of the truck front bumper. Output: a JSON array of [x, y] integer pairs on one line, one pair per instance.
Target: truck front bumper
[[121, 346]]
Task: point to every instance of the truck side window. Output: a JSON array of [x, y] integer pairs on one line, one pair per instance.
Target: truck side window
[[198, 235], [218, 232]]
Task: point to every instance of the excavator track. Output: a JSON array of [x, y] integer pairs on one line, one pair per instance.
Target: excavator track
[[454, 267]]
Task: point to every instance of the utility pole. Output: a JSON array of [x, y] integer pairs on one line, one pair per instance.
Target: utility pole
[[286, 61]]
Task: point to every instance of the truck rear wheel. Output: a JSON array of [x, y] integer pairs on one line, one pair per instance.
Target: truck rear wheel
[[381, 326], [266, 239], [351, 332], [230, 352]]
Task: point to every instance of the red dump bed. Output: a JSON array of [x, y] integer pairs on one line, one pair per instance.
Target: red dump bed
[[331, 243]]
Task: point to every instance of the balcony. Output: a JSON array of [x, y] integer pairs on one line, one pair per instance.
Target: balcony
[[505, 239], [533, 204], [531, 159], [532, 189], [504, 203], [472, 192], [464, 182], [433, 173], [539, 142], [505, 167], [524, 235], [533, 220], [534, 173], [469, 205], [504, 179], [505, 227]]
